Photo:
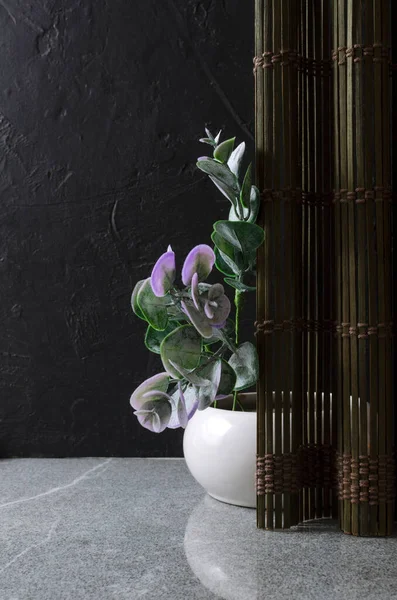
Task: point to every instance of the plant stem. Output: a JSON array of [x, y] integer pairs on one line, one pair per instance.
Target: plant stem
[[238, 302]]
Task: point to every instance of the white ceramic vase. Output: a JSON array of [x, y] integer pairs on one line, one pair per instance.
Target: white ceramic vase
[[220, 451]]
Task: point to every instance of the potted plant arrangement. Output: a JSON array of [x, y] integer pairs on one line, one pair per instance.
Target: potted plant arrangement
[[190, 325]]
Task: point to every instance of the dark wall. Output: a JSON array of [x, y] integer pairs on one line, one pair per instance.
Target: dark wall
[[101, 105]]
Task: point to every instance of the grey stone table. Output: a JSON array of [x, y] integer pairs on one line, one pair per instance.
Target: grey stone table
[[126, 529]]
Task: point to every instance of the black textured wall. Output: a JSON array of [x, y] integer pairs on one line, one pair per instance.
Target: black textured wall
[[101, 105]]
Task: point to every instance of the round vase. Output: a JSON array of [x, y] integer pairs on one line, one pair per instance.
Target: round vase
[[220, 451]]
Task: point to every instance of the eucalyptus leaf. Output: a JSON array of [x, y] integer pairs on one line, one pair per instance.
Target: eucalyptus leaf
[[225, 265], [190, 401], [228, 329], [246, 366], [134, 300], [175, 313], [245, 194], [153, 338], [190, 376], [206, 394], [250, 215], [228, 379], [153, 308], [255, 202], [224, 150], [233, 258], [235, 159], [209, 134], [158, 383], [244, 237], [206, 141], [239, 285], [221, 175], [183, 347], [154, 415], [227, 191], [198, 319]]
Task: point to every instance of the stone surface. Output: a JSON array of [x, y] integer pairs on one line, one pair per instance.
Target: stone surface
[[124, 529], [102, 104]]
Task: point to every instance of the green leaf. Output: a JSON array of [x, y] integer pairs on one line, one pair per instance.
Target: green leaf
[[228, 329], [154, 309], [245, 193], [249, 215], [209, 135], [255, 202], [237, 243], [246, 366], [134, 302], [183, 347], [207, 141], [239, 285], [225, 265], [232, 257], [224, 150], [198, 320], [206, 393], [223, 178], [192, 377], [153, 338], [228, 379], [244, 237], [235, 159]]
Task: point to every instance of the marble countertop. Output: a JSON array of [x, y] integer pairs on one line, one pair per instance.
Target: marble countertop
[[126, 529]]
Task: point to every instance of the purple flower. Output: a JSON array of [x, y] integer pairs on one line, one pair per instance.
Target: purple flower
[[216, 305], [153, 406], [200, 260], [208, 310], [163, 274]]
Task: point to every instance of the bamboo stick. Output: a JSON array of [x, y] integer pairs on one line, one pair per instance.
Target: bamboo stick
[[304, 153], [352, 279], [386, 131], [338, 390], [286, 338], [326, 236], [296, 216], [269, 264], [298, 395], [371, 258], [379, 87], [361, 262], [318, 275], [312, 253], [278, 153], [260, 293]]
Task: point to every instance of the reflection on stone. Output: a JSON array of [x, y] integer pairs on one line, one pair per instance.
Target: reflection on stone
[[236, 561], [218, 545]]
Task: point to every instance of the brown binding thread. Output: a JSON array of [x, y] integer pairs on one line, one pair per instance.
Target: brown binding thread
[[284, 194], [268, 327], [358, 480], [363, 330], [277, 474], [366, 479], [361, 195], [311, 466], [300, 196], [286, 57], [358, 52]]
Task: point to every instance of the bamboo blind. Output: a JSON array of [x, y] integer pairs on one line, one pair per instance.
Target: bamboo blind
[[324, 294]]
